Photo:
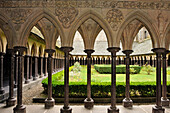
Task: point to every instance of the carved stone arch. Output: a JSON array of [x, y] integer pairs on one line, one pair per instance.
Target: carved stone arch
[[41, 52], [167, 37], [147, 22], [34, 18], [98, 19], [28, 52], [34, 49], [8, 29]]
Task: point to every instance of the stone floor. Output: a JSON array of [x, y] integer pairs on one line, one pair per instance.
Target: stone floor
[[81, 109]]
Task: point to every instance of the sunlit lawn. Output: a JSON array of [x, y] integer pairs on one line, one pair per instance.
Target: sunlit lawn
[[97, 77]]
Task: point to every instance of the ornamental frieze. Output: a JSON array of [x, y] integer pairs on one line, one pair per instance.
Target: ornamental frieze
[[114, 18], [66, 15], [18, 16], [87, 4]]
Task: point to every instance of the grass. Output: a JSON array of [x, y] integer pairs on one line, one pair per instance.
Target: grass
[[97, 77]]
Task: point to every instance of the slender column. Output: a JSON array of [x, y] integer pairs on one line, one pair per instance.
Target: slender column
[[158, 108], [127, 102], [30, 66], [164, 99], [16, 71], [113, 108], [35, 68], [19, 107], [88, 102], [41, 68], [66, 108], [46, 73], [27, 70], [11, 100], [2, 91], [50, 102]]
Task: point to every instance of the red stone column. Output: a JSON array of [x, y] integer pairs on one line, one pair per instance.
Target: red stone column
[[30, 73], [66, 108], [50, 102], [113, 108], [41, 67], [16, 71], [2, 91], [46, 73], [11, 99], [164, 99], [158, 108], [20, 108], [127, 102], [88, 102], [27, 69]]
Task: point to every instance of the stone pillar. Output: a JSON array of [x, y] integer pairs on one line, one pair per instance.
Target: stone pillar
[[46, 73], [50, 102], [30, 73], [11, 99], [113, 108], [27, 70], [127, 102], [19, 107], [2, 91], [16, 71], [164, 99], [88, 102], [35, 68], [66, 108], [41, 67], [158, 108]]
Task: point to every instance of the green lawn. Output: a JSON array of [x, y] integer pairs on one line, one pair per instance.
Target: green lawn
[[97, 77]]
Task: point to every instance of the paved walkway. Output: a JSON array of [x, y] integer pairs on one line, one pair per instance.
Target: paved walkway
[[81, 109]]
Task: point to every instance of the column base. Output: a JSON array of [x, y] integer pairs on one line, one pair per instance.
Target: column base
[[2, 91], [27, 81], [128, 103], [49, 103], [42, 75], [66, 110], [113, 110], [46, 74], [88, 103], [20, 109], [165, 102], [10, 102], [34, 78], [156, 109]]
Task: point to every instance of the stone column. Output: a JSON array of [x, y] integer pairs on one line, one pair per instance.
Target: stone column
[[158, 108], [30, 73], [164, 99], [46, 73], [19, 107], [88, 102], [41, 68], [35, 68], [50, 102], [16, 71], [113, 108], [2, 91], [27, 69], [66, 108], [11, 99], [127, 102]]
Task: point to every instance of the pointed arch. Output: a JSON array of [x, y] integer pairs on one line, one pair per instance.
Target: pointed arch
[[28, 52], [97, 18], [147, 22], [34, 49], [167, 37], [34, 18]]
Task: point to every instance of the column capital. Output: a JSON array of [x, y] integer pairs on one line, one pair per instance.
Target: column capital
[[50, 52], [20, 49], [89, 52], [113, 49], [159, 50], [127, 52], [66, 49], [2, 53]]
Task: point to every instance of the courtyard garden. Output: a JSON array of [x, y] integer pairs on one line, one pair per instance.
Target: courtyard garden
[[142, 81]]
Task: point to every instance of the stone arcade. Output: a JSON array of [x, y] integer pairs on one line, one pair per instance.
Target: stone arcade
[[120, 20]]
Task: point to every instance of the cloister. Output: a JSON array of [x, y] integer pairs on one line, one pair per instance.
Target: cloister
[[25, 55]]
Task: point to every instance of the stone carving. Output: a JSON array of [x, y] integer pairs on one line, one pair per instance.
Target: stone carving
[[114, 17], [66, 15], [18, 16], [163, 5]]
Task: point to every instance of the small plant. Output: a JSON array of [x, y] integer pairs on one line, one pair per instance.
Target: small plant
[[132, 71], [76, 67], [148, 68]]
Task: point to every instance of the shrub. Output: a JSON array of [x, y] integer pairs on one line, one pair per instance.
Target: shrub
[[77, 67], [120, 69], [148, 68]]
